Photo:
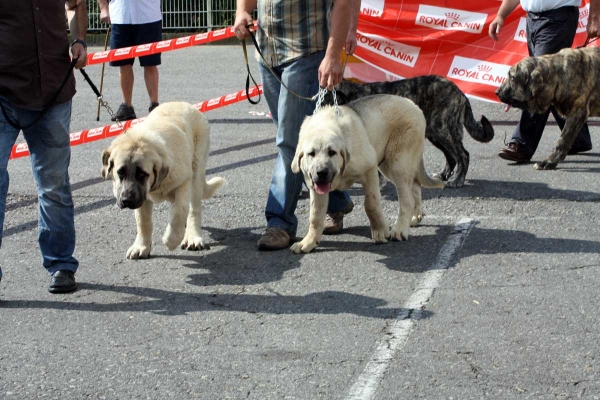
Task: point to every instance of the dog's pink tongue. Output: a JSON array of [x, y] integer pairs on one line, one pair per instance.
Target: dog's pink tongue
[[322, 188], [508, 107]]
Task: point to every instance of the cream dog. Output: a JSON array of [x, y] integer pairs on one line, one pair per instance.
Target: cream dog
[[163, 158], [334, 152]]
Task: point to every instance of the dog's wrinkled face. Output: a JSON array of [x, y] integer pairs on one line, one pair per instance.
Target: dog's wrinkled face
[[523, 86], [134, 172], [322, 158]]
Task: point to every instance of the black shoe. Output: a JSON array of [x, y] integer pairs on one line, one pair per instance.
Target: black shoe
[[124, 113], [62, 282], [515, 152], [576, 150], [152, 106]]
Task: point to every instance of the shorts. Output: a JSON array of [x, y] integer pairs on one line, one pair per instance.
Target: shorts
[[127, 35]]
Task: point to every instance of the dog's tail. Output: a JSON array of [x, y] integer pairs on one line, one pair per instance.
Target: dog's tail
[[211, 187], [426, 180], [481, 131]]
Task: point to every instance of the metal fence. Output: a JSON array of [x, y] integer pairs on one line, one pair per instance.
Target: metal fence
[[181, 15]]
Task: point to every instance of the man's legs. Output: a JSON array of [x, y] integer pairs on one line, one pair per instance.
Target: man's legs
[[8, 136], [151, 79], [126, 79], [288, 112], [48, 142], [547, 35], [122, 36], [149, 33]]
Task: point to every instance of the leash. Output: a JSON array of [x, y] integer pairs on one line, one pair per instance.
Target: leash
[[100, 98], [587, 41], [45, 109], [102, 74]]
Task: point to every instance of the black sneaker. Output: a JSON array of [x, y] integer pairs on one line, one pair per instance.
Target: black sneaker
[[124, 113], [152, 106]]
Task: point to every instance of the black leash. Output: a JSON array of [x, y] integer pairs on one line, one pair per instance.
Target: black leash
[[268, 67], [99, 96], [45, 109], [587, 41]]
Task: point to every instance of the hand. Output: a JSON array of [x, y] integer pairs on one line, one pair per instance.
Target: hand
[[351, 43], [242, 20], [330, 71], [495, 27], [105, 15], [593, 27], [80, 54]]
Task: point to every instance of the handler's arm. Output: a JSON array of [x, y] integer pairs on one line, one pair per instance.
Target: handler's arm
[[330, 70], [80, 20], [243, 17], [593, 25], [351, 39], [104, 12], [504, 11]]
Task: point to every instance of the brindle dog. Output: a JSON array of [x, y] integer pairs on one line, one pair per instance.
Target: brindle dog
[[446, 110], [569, 80]]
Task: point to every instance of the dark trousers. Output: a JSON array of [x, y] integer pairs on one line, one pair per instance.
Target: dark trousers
[[548, 32]]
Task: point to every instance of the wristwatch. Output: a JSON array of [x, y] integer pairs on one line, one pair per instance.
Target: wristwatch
[[79, 41]]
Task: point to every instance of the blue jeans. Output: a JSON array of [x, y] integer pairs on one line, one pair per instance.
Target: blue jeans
[[48, 142], [301, 76]]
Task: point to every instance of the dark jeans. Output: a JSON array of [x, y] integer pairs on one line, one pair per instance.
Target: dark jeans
[[547, 33]]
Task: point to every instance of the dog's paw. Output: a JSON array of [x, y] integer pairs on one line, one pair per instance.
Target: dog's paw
[[380, 235], [193, 243], [137, 251], [416, 219], [545, 165], [303, 247], [399, 234]]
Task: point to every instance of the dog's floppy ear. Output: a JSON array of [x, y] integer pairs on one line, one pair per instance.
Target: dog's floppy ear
[[536, 82], [107, 164], [345, 159], [160, 173], [297, 159]]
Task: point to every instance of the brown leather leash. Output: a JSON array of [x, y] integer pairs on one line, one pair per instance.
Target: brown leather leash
[[587, 41]]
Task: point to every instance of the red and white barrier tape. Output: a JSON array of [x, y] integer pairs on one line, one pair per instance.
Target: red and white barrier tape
[[103, 132], [101, 57]]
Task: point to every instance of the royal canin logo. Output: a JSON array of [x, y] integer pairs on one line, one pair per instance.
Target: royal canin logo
[[390, 49], [372, 8], [478, 71], [100, 55], [230, 97], [114, 128], [75, 136], [143, 47], [584, 14], [201, 36], [521, 32], [163, 44], [219, 32], [199, 105], [22, 148], [450, 19], [137, 121], [123, 51], [95, 132], [183, 40], [212, 102]]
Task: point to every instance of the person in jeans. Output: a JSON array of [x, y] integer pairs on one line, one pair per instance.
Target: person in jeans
[[134, 22], [34, 62], [551, 26], [301, 42]]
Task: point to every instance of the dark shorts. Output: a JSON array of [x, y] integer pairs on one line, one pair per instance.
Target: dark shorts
[[126, 35]]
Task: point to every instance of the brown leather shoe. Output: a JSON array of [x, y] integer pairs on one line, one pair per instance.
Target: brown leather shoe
[[334, 222], [274, 238], [515, 152]]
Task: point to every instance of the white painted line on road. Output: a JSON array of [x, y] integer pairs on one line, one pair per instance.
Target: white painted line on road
[[397, 334]]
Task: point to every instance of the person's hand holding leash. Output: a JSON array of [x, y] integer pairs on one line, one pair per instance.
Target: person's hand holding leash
[[243, 21], [330, 72], [79, 52], [495, 27]]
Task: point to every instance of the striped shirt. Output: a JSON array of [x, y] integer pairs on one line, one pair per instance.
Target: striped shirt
[[289, 29]]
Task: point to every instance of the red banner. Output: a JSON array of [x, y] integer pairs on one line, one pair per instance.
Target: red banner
[[400, 39]]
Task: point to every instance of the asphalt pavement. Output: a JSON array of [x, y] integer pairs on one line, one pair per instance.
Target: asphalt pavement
[[494, 296]]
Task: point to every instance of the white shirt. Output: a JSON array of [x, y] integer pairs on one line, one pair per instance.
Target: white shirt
[[547, 5], [134, 11]]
